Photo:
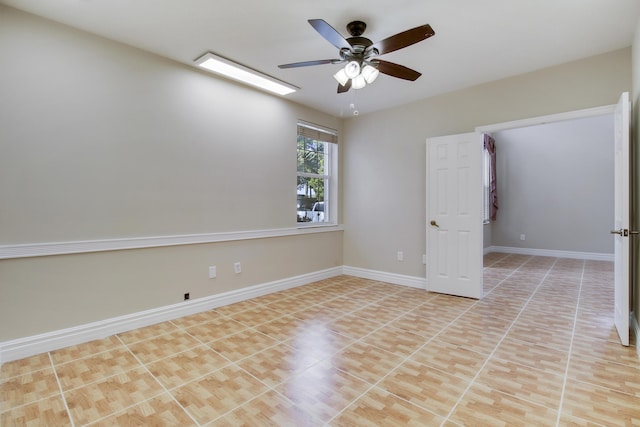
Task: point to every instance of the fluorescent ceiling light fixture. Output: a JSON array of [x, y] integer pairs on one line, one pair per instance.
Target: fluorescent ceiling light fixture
[[241, 73]]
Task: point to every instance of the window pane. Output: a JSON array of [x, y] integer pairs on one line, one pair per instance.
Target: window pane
[[311, 200], [311, 156]]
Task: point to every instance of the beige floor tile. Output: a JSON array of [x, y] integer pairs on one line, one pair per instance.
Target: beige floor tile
[[320, 341], [147, 332], [503, 303], [450, 358], [267, 410], [484, 322], [113, 394], [471, 338], [256, 316], [27, 388], [242, 344], [423, 326], [81, 351], [526, 383], [315, 297], [400, 302], [532, 355], [277, 364], [196, 319], [368, 295], [317, 315], [323, 390], [222, 391], [484, 310], [610, 351], [600, 405], [514, 291], [94, 368], [283, 328], [437, 312], [482, 406], [45, 412], [426, 387], [184, 367], [353, 326], [569, 421], [24, 366], [377, 313], [366, 362], [615, 376], [345, 304], [523, 331], [603, 328], [160, 411], [285, 305], [215, 329], [237, 307], [380, 408], [416, 294], [395, 340], [163, 346]]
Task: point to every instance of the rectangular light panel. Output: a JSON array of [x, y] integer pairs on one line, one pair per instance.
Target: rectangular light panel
[[230, 69]]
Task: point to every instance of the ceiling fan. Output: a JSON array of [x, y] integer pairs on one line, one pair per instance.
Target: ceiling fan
[[361, 54]]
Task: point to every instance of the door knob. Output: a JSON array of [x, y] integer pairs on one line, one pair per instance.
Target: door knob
[[435, 224], [616, 232]]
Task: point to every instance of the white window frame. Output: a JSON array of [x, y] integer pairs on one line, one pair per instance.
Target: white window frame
[[330, 176]]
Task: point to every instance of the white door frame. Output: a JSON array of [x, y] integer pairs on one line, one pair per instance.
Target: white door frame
[[571, 115]]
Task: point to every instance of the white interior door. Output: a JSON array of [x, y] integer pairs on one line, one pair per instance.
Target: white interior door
[[621, 220], [454, 215]]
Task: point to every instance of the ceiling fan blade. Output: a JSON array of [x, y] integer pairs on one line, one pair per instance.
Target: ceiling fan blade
[[329, 33], [396, 70], [345, 88], [309, 63], [403, 39]]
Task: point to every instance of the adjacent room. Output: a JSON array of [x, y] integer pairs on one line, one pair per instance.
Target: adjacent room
[[153, 270]]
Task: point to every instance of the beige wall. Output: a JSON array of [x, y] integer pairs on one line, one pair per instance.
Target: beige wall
[[384, 154], [102, 141]]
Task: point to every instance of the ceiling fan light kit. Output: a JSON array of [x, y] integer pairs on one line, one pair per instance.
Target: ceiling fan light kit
[[360, 54]]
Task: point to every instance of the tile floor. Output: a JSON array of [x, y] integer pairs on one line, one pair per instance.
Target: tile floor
[[539, 349]]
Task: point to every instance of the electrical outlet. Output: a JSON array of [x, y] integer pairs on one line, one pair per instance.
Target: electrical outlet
[[400, 256], [237, 267], [186, 296], [424, 259], [522, 237], [212, 272]]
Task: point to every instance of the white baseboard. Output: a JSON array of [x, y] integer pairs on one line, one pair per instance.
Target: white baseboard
[[383, 276], [30, 346], [550, 253]]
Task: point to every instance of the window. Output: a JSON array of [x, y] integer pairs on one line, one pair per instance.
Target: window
[[317, 166]]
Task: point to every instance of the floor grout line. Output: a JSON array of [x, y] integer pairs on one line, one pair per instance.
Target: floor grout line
[[64, 399], [573, 333], [473, 380], [411, 355]]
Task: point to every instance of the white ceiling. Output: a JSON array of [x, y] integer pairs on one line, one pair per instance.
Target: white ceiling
[[476, 41]]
